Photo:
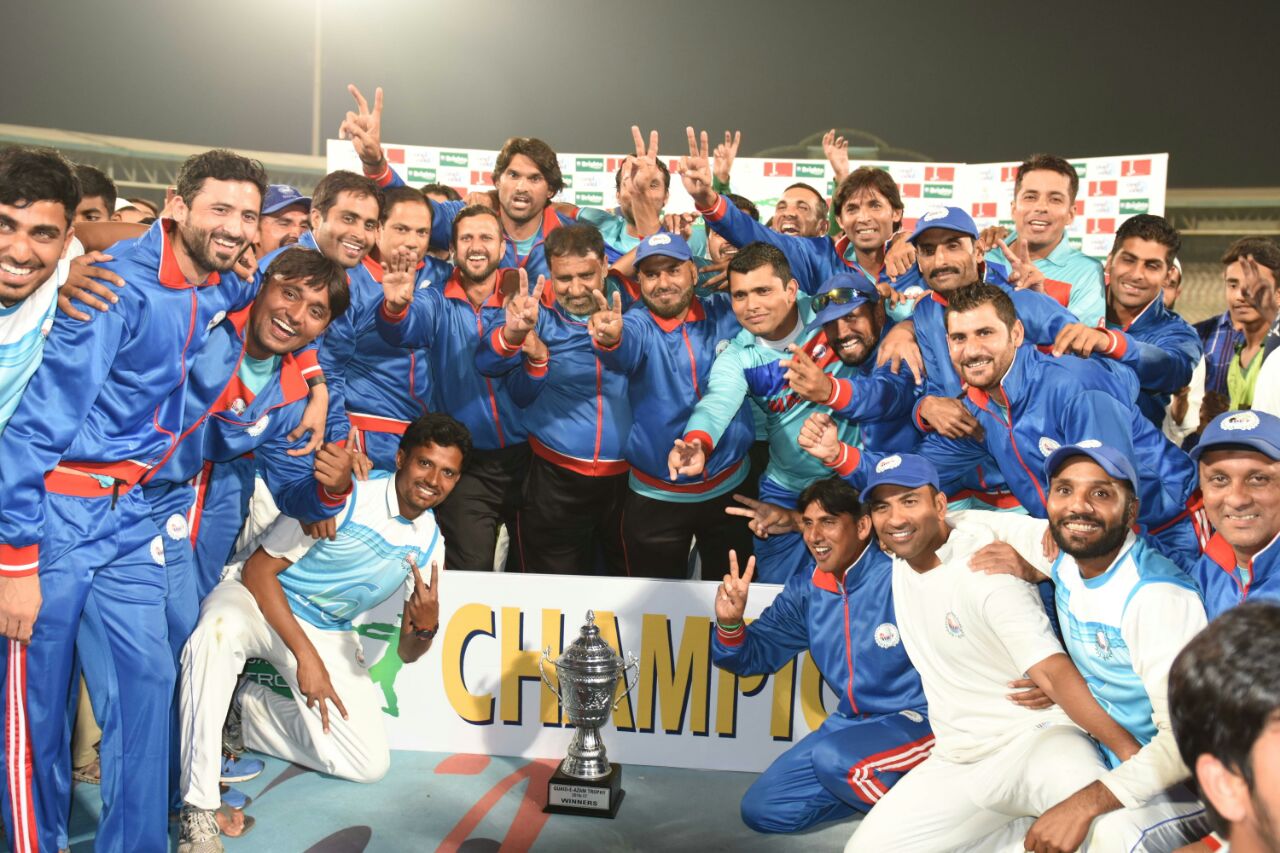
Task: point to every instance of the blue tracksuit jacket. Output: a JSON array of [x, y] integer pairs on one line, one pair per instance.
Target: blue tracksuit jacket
[[1222, 583], [1162, 349]]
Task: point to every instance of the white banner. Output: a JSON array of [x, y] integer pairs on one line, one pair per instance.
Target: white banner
[[1111, 188], [478, 689]]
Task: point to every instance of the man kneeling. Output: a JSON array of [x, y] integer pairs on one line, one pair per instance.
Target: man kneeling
[[293, 607]]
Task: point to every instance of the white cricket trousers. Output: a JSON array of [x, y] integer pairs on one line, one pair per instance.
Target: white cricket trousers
[[233, 629]]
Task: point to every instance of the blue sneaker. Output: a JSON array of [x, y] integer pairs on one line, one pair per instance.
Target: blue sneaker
[[240, 769], [236, 799]]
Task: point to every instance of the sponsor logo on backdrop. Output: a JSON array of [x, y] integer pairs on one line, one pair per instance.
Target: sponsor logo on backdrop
[[1107, 206], [987, 174], [1102, 169], [939, 173], [811, 170], [1097, 188], [985, 210], [1100, 226], [1081, 169], [426, 176], [1008, 174], [1135, 205], [454, 158], [589, 164], [568, 180], [1135, 167], [1075, 242], [907, 173], [419, 157], [778, 170], [394, 155], [588, 198], [938, 190], [910, 190], [1079, 207], [479, 178], [1135, 186], [484, 160]]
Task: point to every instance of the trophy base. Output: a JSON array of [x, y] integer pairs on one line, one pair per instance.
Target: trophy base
[[587, 797]]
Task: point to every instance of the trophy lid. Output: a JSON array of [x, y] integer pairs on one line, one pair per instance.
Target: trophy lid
[[589, 653]]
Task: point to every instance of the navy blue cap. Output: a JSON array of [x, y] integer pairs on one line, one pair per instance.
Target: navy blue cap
[[1253, 429], [280, 196], [663, 244], [902, 469], [950, 218], [851, 280], [1109, 459]]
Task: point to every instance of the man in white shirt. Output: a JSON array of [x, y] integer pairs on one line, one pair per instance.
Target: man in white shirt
[[969, 635]]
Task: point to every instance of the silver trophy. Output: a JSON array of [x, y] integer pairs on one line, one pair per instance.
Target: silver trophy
[[588, 671]]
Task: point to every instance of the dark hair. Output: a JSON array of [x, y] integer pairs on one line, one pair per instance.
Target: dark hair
[[1048, 163], [662, 167], [439, 429], [94, 183], [220, 165], [315, 271], [974, 296], [834, 494], [28, 175], [822, 200], [744, 204], [467, 213], [147, 203], [537, 151], [326, 193], [440, 189], [1224, 690], [868, 178], [578, 240], [755, 255], [1262, 249], [400, 195], [1148, 226]]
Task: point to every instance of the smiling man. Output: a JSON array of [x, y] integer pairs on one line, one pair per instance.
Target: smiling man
[[842, 613], [293, 606], [285, 218]]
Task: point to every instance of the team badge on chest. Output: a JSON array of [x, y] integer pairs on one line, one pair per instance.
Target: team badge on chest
[[954, 628], [887, 635]]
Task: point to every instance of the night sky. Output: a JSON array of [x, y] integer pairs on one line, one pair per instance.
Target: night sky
[[958, 81]]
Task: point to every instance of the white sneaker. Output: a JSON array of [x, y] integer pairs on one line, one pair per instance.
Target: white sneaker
[[198, 831]]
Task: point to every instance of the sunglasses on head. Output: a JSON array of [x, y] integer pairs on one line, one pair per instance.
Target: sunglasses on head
[[839, 296]]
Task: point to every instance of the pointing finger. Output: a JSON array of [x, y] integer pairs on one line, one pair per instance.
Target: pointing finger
[[435, 579]]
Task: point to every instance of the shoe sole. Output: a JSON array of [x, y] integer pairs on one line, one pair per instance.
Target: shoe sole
[[240, 777]]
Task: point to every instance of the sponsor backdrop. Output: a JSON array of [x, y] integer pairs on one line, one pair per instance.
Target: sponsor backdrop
[[479, 691], [1111, 188]]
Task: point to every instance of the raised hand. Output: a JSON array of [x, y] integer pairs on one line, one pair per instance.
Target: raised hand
[[1023, 273], [695, 170], [397, 281], [805, 377], [820, 438], [898, 347], [990, 237], [605, 324], [898, 261], [85, 283], [521, 309], [423, 607], [686, 457], [364, 128], [1258, 286], [726, 152], [679, 223], [836, 148], [765, 519], [731, 596], [1079, 339]]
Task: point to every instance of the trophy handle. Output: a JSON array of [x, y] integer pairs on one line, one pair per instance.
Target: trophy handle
[[546, 655], [633, 664]]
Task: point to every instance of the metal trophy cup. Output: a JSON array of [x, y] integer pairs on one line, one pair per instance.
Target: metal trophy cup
[[586, 783]]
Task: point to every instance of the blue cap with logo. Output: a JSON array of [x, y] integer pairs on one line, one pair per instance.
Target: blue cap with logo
[[1252, 429], [839, 295], [280, 196], [902, 469], [950, 218], [1109, 459], [663, 245]]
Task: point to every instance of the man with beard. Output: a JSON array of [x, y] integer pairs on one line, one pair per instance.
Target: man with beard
[[868, 208], [79, 549], [665, 351], [293, 606], [526, 176], [1140, 332], [969, 635], [763, 294], [285, 218], [448, 321], [383, 387], [577, 412], [1224, 695], [1044, 204], [1126, 611], [842, 613], [1239, 460]]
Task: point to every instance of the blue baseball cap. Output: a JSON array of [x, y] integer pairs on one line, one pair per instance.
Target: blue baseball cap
[[280, 196], [1109, 459], [864, 292], [902, 469], [1252, 429], [663, 244], [950, 218]]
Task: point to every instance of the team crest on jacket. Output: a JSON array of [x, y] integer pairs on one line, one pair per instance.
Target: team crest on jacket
[[238, 405], [722, 346], [819, 351], [913, 716], [1242, 420], [176, 526], [1047, 445], [217, 318], [954, 628], [258, 427], [887, 635], [157, 550]]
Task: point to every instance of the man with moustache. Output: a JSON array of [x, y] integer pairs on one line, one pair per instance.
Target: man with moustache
[[447, 321], [842, 612], [104, 409], [577, 412], [285, 218], [1140, 332], [969, 635], [1126, 611], [1239, 461]]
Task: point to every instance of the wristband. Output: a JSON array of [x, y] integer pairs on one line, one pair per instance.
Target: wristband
[[729, 629], [425, 634], [313, 381]]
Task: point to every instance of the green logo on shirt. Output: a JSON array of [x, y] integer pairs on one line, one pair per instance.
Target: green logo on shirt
[[427, 176], [1134, 205], [810, 170], [589, 164], [938, 190], [593, 199], [454, 158]]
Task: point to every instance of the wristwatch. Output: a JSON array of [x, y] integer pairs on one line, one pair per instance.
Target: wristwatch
[[425, 634]]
